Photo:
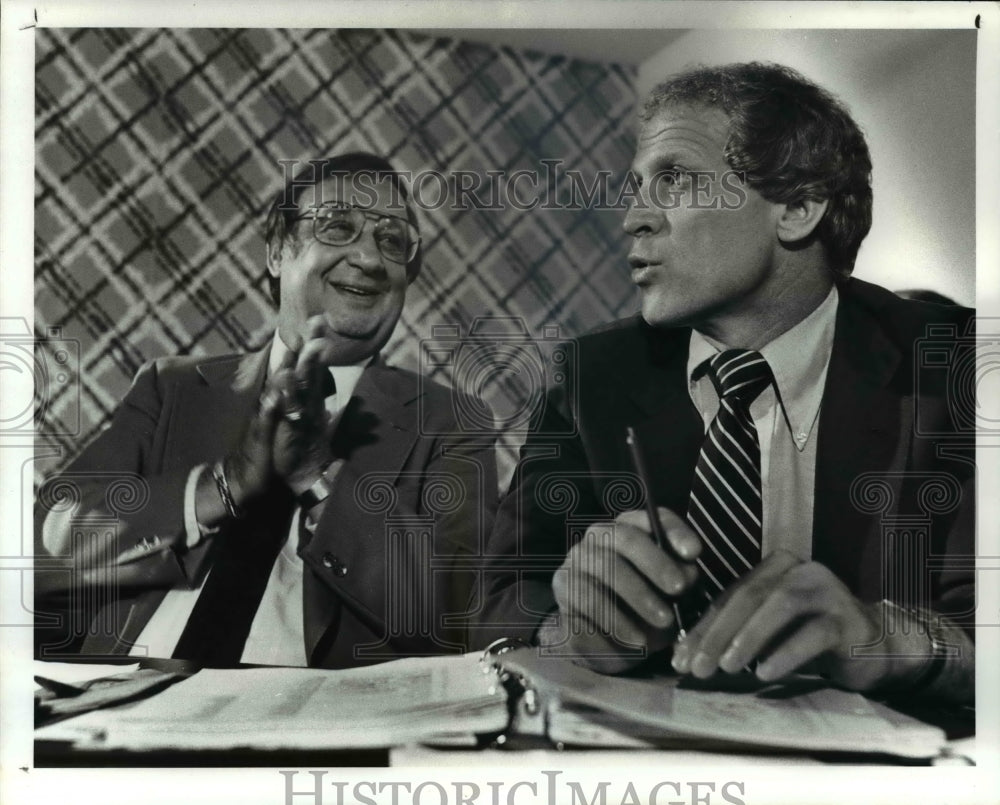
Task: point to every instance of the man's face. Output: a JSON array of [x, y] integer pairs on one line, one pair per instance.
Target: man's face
[[359, 292], [704, 246]]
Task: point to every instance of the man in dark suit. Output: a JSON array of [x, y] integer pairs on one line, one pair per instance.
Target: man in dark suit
[[289, 507], [813, 476]]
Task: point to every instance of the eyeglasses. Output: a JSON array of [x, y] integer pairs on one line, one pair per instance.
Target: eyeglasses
[[339, 223]]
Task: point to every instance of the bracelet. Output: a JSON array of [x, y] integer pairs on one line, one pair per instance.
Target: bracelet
[[219, 475]]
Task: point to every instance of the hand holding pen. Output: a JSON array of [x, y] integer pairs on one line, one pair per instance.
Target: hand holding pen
[[616, 587], [656, 527]]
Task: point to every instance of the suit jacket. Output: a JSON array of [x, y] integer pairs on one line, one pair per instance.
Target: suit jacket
[[412, 499], [894, 466]]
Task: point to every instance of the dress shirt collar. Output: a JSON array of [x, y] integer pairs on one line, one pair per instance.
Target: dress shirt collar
[[345, 378], [798, 358]]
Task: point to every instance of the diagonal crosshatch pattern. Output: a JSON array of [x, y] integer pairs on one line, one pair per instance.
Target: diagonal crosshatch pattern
[[158, 151]]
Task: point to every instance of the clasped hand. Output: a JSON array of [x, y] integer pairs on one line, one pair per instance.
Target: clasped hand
[[290, 435], [616, 588]]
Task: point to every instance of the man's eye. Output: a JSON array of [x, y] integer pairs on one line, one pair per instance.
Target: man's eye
[[672, 176], [334, 227], [393, 238]]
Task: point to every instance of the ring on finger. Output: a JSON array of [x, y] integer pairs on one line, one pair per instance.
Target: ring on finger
[[293, 408]]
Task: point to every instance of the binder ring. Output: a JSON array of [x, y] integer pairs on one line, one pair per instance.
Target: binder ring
[[499, 647]]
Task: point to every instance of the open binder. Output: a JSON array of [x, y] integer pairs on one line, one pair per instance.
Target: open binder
[[502, 695], [572, 706]]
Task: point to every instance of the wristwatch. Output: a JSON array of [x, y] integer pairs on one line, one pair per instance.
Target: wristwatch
[[315, 494], [929, 624]]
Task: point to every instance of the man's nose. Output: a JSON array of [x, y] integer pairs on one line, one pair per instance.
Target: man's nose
[[642, 218], [365, 254]]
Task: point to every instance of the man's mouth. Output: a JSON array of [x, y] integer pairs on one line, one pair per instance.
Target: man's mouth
[[356, 289], [642, 270]]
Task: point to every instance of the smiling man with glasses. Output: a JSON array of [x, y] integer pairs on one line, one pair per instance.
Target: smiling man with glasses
[[293, 513]]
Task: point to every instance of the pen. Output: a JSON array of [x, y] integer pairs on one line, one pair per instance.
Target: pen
[[659, 537]]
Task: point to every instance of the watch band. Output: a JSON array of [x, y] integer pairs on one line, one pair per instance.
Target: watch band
[[315, 494], [928, 623]]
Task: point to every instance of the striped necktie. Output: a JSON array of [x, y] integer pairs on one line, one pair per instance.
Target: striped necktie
[[725, 504]]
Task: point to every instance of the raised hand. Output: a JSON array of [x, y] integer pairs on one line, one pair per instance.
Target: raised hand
[[302, 436]]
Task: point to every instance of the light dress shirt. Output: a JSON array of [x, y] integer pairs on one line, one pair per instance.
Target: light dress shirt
[[786, 415], [276, 634]]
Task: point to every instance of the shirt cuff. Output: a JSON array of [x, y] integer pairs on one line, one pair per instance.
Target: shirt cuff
[[194, 531], [57, 530]]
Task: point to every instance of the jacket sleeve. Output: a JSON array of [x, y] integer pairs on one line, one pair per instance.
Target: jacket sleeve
[[112, 513], [550, 501]]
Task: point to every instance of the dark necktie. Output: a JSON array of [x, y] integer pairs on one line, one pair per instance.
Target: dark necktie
[[244, 555], [220, 621], [306, 528], [725, 504]]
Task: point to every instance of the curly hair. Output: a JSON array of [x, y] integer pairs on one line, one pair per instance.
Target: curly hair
[[280, 224], [791, 139]]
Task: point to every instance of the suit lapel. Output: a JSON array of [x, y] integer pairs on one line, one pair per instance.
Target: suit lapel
[[376, 435], [666, 422], [861, 431], [378, 426]]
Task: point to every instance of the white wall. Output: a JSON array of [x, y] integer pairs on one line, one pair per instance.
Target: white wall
[[913, 93]]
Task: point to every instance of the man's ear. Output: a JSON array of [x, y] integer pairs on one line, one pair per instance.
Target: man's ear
[[273, 258], [799, 219]]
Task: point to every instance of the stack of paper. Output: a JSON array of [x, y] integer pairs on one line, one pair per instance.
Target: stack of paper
[[804, 714], [92, 687], [438, 699]]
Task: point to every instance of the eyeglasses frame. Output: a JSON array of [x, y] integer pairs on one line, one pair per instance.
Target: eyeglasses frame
[[369, 215]]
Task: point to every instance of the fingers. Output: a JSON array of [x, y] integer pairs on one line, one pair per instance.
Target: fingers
[[785, 615], [671, 572], [615, 590], [291, 402], [815, 637], [598, 628], [594, 610], [309, 371], [728, 618], [608, 653], [289, 358], [267, 417], [682, 539], [260, 434], [318, 346], [281, 382], [250, 465], [615, 565], [799, 605], [299, 377]]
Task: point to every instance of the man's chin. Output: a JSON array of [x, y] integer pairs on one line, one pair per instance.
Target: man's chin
[[658, 316], [357, 343]]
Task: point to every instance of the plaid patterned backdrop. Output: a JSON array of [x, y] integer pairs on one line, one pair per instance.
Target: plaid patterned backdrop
[[157, 153]]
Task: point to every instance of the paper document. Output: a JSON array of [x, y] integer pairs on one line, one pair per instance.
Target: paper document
[[74, 673], [804, 715], [416, 699], [66, 690]]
